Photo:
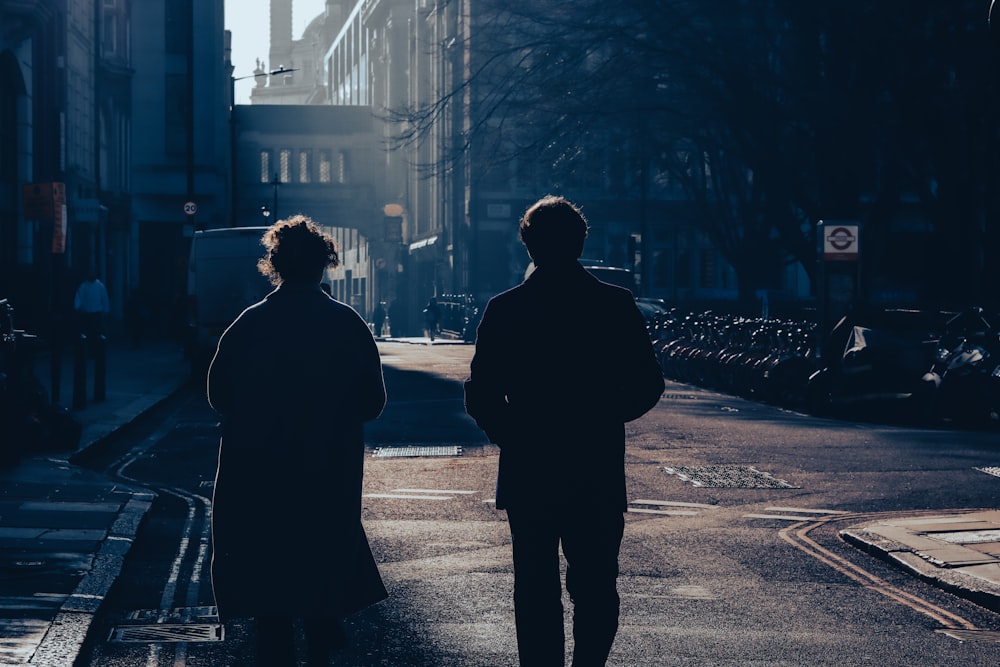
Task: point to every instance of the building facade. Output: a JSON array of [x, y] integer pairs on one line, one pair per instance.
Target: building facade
[[181, 157], [65, 121], [323, 162]]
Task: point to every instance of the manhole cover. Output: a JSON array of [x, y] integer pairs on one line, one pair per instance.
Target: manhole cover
[[167, 632], [418, 450], [729, 477]]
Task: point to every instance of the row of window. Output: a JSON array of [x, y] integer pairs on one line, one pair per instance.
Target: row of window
[[303, 165]]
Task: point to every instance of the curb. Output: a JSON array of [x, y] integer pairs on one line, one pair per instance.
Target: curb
[[68, 632], [951, 577]]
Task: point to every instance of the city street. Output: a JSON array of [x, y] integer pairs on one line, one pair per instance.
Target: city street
[[747, 568]]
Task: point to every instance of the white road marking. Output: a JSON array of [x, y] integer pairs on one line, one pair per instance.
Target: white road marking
[[432, 491], [671, 503], [638, 510], [405, 496], [804, 510]]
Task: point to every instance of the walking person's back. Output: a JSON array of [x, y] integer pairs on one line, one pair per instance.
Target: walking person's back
[[562, 362], [294, 377]]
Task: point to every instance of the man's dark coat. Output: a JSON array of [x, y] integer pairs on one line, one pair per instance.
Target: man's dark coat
[[294, 378], [562, 362]]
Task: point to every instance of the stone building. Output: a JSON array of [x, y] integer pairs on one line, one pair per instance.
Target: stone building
[[65, 114]]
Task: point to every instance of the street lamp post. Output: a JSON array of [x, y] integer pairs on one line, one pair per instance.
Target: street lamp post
[[276, 181]]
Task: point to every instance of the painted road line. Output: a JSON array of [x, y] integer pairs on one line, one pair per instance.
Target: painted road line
[[405, 496], [671, 503], [464, 493], [803, 510], [782, 517], [640, 510]]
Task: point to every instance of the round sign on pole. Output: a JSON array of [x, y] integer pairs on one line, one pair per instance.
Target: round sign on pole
[[840, 242], [190, 208]]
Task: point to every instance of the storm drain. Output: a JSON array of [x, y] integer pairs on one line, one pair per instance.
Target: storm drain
[[167, 632], [418, 450], [681, 397], [184, 624], [729, 477]]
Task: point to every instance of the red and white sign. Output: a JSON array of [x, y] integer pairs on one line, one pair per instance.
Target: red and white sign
[[840, 242]]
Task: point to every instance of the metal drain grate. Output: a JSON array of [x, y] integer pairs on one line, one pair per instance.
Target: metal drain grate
[[182, 624], [729, 477], [684, 397], [418, 450], [167, 632], [971, 635]]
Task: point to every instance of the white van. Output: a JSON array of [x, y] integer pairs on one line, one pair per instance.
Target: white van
[[222, 281]]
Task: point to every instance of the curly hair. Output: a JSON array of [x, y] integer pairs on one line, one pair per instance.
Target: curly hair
[[297, 251], [553, 229]]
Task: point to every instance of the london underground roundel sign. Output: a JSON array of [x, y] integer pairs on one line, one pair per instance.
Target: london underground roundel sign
[[840, 242]]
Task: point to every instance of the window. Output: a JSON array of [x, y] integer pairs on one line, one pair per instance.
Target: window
[[342, 167], [305, 160], [179, 26], [325, 167], [285, 165], [265, 166]]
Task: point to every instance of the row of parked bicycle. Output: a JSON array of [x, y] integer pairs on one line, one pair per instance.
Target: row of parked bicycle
[[934, 366]]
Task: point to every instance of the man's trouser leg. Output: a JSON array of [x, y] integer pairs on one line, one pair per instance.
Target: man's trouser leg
[[538, 610], [591, 542]]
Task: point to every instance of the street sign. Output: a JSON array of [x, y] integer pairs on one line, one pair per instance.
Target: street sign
[[190, 208], [42, 201], [840, 242]]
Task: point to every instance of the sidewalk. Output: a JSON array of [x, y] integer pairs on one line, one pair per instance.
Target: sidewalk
[[65, 530], [958, 551]]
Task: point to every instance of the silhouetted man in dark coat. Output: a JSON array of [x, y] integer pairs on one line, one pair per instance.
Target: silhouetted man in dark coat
[[562, 362]]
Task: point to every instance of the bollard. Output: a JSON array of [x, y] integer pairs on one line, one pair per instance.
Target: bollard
[[80, 373], [100, 368]]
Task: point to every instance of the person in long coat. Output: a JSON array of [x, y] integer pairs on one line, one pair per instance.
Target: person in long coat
[[294, 378], [562, 361]]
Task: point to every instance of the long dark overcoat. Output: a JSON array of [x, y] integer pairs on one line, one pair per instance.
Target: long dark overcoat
[[294, 378], [562, 362]]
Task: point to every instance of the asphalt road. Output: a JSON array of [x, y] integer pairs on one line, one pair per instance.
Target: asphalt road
[[750, 571]]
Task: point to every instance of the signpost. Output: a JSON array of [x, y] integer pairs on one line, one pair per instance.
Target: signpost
[[839, 273]]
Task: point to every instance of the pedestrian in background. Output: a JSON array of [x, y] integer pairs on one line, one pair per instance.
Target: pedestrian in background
[[556, 405], [378, 319], [294, 377], [91, 305], [432, 317]]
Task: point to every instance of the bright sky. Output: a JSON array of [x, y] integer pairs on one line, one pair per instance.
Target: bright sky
[[249, 22]]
